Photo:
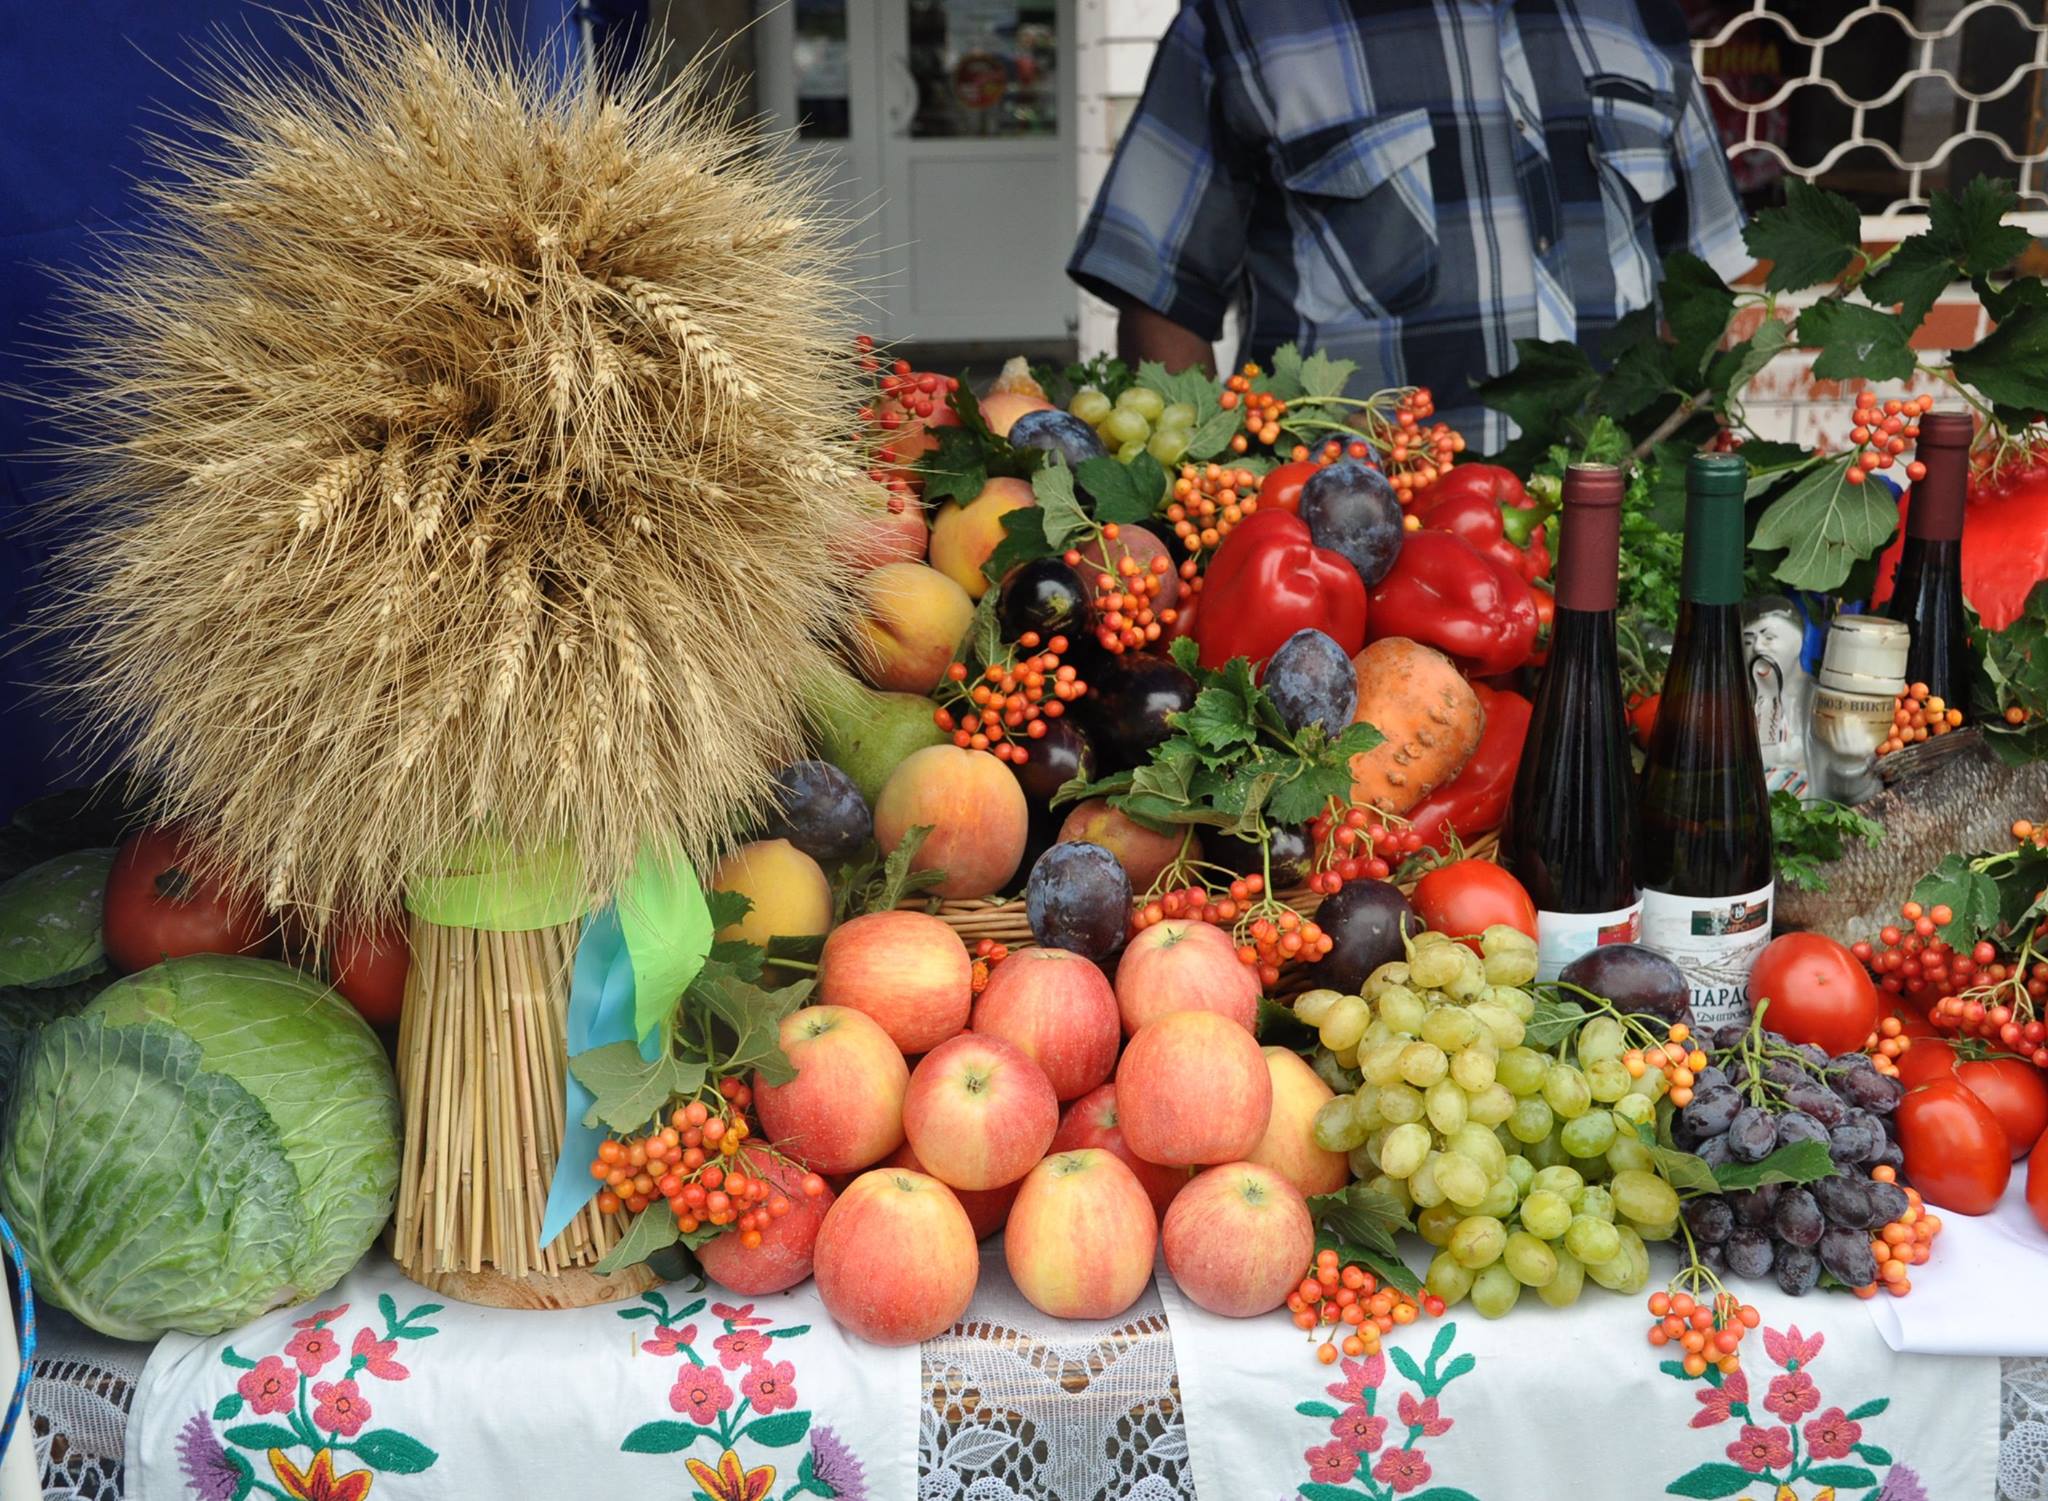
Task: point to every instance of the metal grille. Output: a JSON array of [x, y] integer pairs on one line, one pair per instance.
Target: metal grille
[[1916, 117]]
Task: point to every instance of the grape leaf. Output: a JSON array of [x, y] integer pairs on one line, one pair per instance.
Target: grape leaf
[[2010, 364], [1970, 896], [1917, 273], [1802, 1162], [1809, 240], [1855, 341], [957, 469], [1190, 385], [1698, 305], [1555, 1018], [1971, 227], [1361, 1216], [1122, 493], [1825, 525], [1059, 511], [1682, 1170]]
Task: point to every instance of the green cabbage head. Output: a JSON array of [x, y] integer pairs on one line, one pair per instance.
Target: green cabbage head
[[209, 1139]]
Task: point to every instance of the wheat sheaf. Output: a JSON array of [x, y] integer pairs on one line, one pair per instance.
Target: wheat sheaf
[[464, 450]]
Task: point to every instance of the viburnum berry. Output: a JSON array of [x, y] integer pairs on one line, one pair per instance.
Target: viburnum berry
[[1009, 699]]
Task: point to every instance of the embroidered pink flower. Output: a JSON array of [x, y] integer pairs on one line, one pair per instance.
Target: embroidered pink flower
[[376, 1356], [1360, 1376], [340, 1407], [1792, 1396], [1716, 1401], [742, 1315], [1790, 1348], [1358, 1430], [271, 1387], [770, 1385], [742, 1347], [1403, 1469], [1423, 1415], [701, 1392], [324, 1316], [1761, 1449], [1833, 1435], [669, 1341], [1331, 1464], [312, 1349]]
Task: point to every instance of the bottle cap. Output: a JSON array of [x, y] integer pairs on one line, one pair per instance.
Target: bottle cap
[[1716, 474], [1594, 485], [1866, 654], [1935, 510], [1589, 538]]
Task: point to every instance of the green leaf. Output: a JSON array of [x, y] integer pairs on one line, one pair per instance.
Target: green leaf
[[1322, 1410], [982, 642], [1872, 1454], [1075, 790], [727, 907], [1211, 437], [261, 1436], [1122, 493], [1443, 1493], [1682, 1170], [754, 1014], [776, 1432], [630, 1089], [1917, 273], [1360, 1215], [1970, 895], [1186, 654], [1023, 542], [652, 1230], [1802, 1162], [245, 1477], [1713, 1479], [1807, 835], [1840, 1475], [1217, 720], [393, 1452], [1825, 525], [1856, 341], [1190, 385], [898, 879], [1809, 240], [1548, 383], [1283, 376], [1869, 1409], [1060, 516], [228, 1407], [1698, 305], [2010, 364], [1971, 227], [1643, 369], [1322, 376], [664, 1437], [1772, 338], [1303, 796], [957, 469], [1555, 1018]]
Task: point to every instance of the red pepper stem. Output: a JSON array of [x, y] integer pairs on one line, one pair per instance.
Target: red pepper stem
[[1519, 523]]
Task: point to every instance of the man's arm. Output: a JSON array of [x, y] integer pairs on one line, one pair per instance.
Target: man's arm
[[1142, 334]]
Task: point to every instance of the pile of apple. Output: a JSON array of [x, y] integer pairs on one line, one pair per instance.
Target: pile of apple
[[1090, 1117]]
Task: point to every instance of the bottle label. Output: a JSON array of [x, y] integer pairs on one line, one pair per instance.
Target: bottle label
[[1714, 939], [1563, 936]]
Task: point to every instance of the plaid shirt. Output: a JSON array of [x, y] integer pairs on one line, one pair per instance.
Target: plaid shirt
[[1413, 184]]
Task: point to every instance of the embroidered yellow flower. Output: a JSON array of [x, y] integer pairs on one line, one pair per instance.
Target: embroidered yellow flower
[[731, 1481], [318, 1482]]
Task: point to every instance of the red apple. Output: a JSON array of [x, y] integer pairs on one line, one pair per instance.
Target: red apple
[[907, 970], [1080, 1239], [1091, 1122], [1056, 1008], [844, 1108], [1289, 1145], [987, 1208], [978, 1112], [1193, 1089], [1184, 966], [895, 1260], [1238, 1240], [783, 1259]]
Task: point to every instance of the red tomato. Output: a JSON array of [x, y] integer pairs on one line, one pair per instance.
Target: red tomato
[[1819, 991], [1546, 624], [369, 967], [1281, 488], [1926, 1060], [2014, 1091], [1642, 717], [1467, 897], [2037, 1181], [1500, 485], [1956, 1152], [157, 909]]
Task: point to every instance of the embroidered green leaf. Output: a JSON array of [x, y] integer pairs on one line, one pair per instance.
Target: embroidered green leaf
[[651, 1230], [664, 1437], [393, 1452], [1315, 1490], [1856, 341], [1825, 526], [1802, 1162], [1321, 1410], [1442, 1343], [261, 1436], [1870, 1409], [1709, 1481], [1811, 239], [638, 1313], [1673, 1368], [790, 1333], [245, 1476], [227, 1407], [1454, 1370], [1841, 1475], [387, 1306], [1405, 1364], [1443, 1493], [239, 1362], [783, 1429], [1872, 1454]]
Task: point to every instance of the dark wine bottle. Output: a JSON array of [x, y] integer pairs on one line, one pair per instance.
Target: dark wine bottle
[[1704, 841], [1927, 593], [1570, 833]]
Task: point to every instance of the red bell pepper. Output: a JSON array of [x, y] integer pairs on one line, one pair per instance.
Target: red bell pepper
[[1487, 506], [1268, 581], [1445, 593], [1476, 799], [2005, 541]]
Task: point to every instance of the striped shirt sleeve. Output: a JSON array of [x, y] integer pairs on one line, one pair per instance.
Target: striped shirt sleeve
[[1704, 216]]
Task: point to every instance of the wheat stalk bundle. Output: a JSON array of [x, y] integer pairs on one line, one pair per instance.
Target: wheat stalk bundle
[[463, 450]]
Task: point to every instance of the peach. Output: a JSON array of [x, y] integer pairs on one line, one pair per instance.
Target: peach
[[1193, 1089], [844, 1108], [964, 537], [1091, 1121], [1184, 966], [889, 537], [1238, 1239], [898, 453], [1142, 853], [907, 970], [916, 617], [791, 897], [978, 1113], [1289, 1145], [896, 1260], [987, 1208], [1081, 1235], [783, 1259], [1056, 1008], [975, 809], [1001, 409]]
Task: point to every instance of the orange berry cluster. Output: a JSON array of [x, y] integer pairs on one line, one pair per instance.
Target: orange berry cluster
[[1416, 455], [1356, 846], [987, 955], [1710, 1333], [1278, 938], [1344, 1298], [1905, 1243], [1676, 1056], [1882, 432], [1207, 501], [1887, 1045], [1918, 714], [2016, 714], [1126, 618], [1262, 410], [1199, 904], [2024, 831], [1010, 702]]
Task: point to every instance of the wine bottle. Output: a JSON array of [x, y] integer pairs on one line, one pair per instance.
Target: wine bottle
[[1571, 827], [1704, 831], [1927, 593]]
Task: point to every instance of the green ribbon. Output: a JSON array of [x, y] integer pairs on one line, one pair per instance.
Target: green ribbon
[[489, 885], [667, 927]]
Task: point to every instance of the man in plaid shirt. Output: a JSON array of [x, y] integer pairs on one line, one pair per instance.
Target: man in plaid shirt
[[1411, 184]]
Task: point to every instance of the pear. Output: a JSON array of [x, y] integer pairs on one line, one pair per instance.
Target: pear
[[865, 733]]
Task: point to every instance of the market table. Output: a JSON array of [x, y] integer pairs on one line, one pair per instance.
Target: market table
[[1011, 1404]]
